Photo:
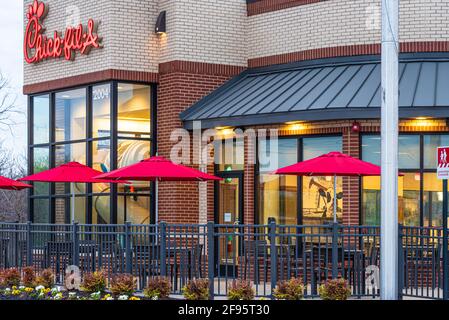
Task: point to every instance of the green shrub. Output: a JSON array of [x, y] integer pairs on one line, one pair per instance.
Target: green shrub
[[197, 289], [241, 290], [158, 288], [46, 278], [123, 284], [292, 289], [29, 277], [94, 282], [336, 289], [10, 277]]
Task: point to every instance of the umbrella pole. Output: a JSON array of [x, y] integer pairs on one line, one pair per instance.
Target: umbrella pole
[[73, 202], [156, 209], [335, 198]]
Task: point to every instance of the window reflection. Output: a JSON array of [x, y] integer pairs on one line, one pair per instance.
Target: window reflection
[[432, 200], [41, 119], [134, 208], [229, 154], [318, 192], [409, 199], [101, 111], [409, 152], [41, 213], [101, 210], [431, 143], [101, 161], [41, 162], [134, 110], [278, 194], [70, 115]]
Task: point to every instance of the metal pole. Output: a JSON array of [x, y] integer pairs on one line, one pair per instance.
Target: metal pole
[[445, 253], [73, 202], [389, 163], [335, 198]]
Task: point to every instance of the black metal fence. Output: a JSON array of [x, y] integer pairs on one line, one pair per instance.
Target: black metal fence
[[262, 254]]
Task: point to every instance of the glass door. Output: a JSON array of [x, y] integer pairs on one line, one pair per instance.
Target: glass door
[[228, 215]]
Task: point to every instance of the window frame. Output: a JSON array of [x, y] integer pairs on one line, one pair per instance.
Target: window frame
[[113, 139]]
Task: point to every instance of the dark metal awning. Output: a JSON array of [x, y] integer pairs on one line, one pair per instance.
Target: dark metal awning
[[345, 88]]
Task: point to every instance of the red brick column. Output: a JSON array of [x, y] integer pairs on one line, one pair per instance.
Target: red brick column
[[181, 84], [351, 185], [249, 182]]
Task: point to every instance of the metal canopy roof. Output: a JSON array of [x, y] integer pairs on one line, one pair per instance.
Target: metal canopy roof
[[325, 89]]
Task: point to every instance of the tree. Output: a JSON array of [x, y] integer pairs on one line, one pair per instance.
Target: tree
[[13, 204]]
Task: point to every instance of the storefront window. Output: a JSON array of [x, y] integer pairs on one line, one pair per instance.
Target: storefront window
[[101, 111], [134, 110], [318, 192], [41, 211], [278, 194], [101, 210], [134, 208], [67, 153], [418, 183], [41, 119], [41, 162], [229, 154], [431, 143], [409, 152], [95, 148], [70, 115]]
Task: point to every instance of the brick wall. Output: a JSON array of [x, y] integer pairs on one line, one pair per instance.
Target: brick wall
[[127, 30], [334, 23], [178, 89]]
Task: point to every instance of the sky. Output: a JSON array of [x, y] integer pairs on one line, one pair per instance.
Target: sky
[[11, 35]]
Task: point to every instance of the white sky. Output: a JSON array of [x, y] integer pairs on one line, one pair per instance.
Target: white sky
[[11, 36]]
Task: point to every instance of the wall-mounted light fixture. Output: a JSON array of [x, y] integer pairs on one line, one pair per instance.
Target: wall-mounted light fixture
[[355, 127], [161, 23]]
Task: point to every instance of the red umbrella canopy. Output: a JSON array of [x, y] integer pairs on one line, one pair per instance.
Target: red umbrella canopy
[[332, 164], [70, 172], [157, 169], [9, 184]]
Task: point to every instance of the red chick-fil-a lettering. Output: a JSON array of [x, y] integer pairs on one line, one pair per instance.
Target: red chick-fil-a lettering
[[38, 47]]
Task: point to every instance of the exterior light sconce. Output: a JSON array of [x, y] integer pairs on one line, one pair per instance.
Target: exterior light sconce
[[161, 23], [355, 127]]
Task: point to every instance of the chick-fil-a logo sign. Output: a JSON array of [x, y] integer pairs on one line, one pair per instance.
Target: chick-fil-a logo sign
[[38, 47]]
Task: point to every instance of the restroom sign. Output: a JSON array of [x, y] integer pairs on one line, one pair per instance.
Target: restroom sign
[[443, 163]]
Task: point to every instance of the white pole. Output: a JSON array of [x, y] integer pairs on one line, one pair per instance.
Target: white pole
[[73, 202], [156, 194], [389, 183], [335, 198]]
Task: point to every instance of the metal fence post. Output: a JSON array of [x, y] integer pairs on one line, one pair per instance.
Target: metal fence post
[[273, 255], [128, 257], [445, 244], [76, 244], [335, 250], [211, 258], [163, 247], [29, 245], [401, 265]]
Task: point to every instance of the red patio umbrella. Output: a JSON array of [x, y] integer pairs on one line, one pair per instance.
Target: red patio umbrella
[[332, 164], [9, 184], [72, 172], [157, 169]]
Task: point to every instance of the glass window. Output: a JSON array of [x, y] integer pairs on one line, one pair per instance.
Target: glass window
[[101, 161], [41, 119], [132, 151], [80, 209], [371, 145], [68, 153], [432, 200], [409, 152], [409, 199], [431, 143], [41, 163], [70, 115], [134, 110], [133, 208], [278, 194], [101, 210], [371, 201], [41, 211], [229, 154], [318, 192], [317, 146], [101, 111]]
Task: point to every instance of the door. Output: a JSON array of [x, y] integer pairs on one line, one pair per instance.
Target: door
[[228, 212]]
